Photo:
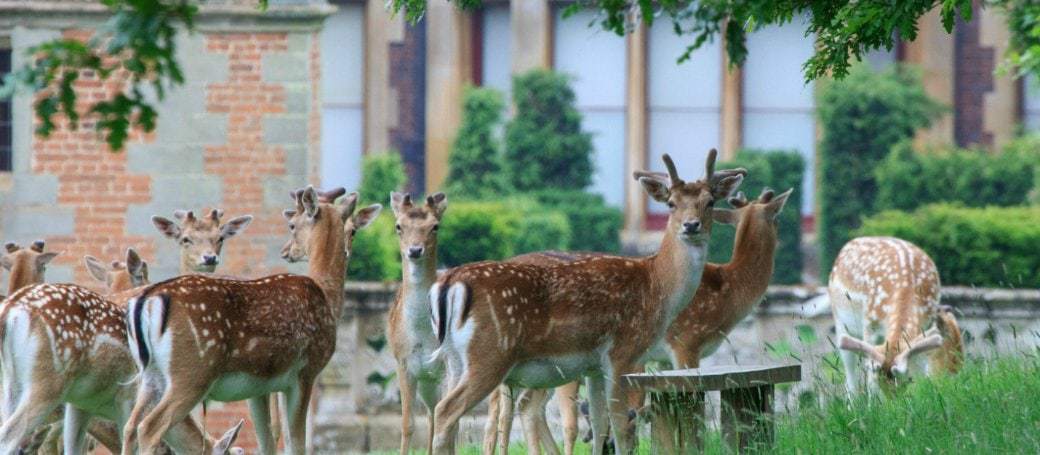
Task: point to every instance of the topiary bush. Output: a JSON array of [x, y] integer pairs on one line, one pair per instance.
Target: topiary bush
[[908, 179], [862, 117], [475, 167], [990, 247], [477, 231], [375, 255], [596, 226], [778, 170], [381, 173], [545, 144], [542, 230]]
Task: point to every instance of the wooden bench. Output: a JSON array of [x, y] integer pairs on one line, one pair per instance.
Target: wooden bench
[[677, 404]]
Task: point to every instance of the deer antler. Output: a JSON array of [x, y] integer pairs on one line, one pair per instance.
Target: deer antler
[[709, 166], [37, 246], [766, 196], [673, 175], [738, 201], [11, 247], [331, 195]]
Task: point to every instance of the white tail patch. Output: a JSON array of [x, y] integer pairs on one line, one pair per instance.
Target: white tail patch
[[816, 306], [19, 351]]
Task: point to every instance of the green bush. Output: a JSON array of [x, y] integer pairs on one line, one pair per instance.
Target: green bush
[[778, 170], [375, 255], [381, 173], [545, 144], [475, 167], [992, 246], [862, 117], [595, 225], [477, 231], [908, 179], [542, 230]]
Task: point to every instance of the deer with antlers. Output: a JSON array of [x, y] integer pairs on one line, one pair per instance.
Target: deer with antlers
[[200, 239], [411, 337], [202, 337], [884, 295], [543, 326], [66, 344], [25, 266], [727, 294]]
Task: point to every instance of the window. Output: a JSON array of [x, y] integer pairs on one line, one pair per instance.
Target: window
[[595, 60], [685, 103], [496, 48], [342, 84], [6, 140], [778, 104], [1031, 103]]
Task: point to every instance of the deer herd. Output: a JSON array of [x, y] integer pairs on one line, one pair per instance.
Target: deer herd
[[128, 366]]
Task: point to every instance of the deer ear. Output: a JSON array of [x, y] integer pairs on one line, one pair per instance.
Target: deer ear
[[6, 262], [224, 444], [655, 188], [309, 199], [398, 201], [96, 268], [725, 216], [44, 258], [133, 262], [167, 227], [365, 216], [438, 202], [727, 186], [347, 205], [235, 225]]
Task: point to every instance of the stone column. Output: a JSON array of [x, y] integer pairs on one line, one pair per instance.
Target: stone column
[[381, 29], [1000, 107], [732, 108], [933, 52], [531, 22], [636, 139], [449, 59]]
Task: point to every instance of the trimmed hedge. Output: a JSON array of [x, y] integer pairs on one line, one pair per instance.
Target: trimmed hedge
[[862, 117], [476, 167], [477, 231], [375, 255], [989, 247], [908, 179], [778, 170], [542, 230], [599, 224]]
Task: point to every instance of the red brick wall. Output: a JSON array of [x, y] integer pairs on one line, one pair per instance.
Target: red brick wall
[[973, 79]]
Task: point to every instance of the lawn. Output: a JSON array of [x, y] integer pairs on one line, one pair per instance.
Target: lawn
[[991, 406]]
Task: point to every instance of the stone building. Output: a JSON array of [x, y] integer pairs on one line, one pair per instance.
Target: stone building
[[299, 93]]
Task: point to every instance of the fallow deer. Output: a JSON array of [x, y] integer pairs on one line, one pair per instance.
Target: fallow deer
[[411, 337], [201, 337], [884, 295], [543, 326], [63, 343], [727, 294], [200, 239], [25, 266]]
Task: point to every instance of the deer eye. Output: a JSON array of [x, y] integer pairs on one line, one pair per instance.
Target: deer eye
[[292, 226], [185, 241], [671, 205], [435, 227], [353, 231]]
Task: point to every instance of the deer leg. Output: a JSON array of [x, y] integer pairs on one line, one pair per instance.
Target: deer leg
[[619, 418], [260, 413], [32, 411], [406, 383], [491, 427], [297, 401], [276, 411], [75, 430], [567, 401], [105, 433], [147, 394], [597, 389], [476, 383], [429, 393], [174, 406], [536, 428], [506, 405]]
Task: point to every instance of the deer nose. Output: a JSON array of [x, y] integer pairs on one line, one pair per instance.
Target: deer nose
[[209, 259], [415, 252], [691, 227]]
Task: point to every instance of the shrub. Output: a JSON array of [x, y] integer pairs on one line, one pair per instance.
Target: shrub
[[778, 170], [542, 230], [477, 231], [545, 145], [907, 179], [475, 167], [862, 117], [596, 225], [381, 173], [993, 246], [375, 255]]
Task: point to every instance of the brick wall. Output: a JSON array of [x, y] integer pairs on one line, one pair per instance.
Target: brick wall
[[408, 80], [973, 79]]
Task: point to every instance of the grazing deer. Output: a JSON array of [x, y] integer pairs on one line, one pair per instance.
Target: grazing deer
[[200, 337], [884, 295], [66, 344], [200, 239], [727, 294], [411, 337], [25, 266], [543, 326]]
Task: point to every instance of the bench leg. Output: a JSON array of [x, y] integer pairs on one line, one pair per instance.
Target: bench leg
[[677, 422], [747, 417]]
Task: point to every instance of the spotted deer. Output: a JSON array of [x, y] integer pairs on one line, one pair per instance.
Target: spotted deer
[[884, 295], [543, 326], [412, 339], [727, 294], [200, 239], [25, 266], [202, 337], [65, 344]]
